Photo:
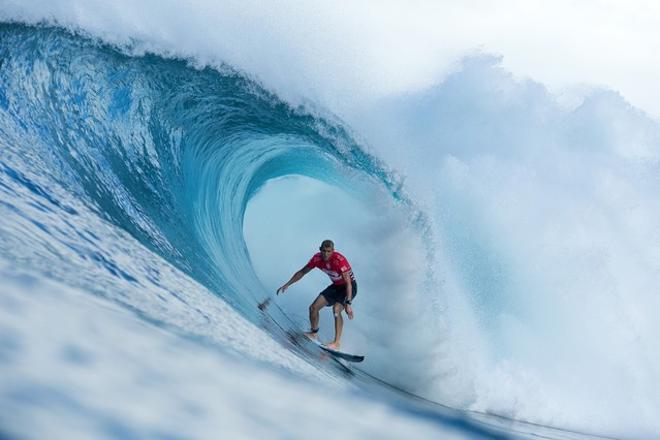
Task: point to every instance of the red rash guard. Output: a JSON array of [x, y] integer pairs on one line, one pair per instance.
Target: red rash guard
[[334, 267]]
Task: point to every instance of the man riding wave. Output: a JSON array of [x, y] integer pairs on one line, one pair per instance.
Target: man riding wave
[[338, 295]]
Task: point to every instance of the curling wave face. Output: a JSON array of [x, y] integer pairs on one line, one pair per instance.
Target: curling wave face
[[170, 154], [155, 151]]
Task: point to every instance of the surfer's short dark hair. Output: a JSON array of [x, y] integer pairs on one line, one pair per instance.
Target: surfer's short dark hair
[[326, 243]]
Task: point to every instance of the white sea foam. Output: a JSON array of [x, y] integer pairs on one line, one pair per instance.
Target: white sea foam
[[547, 218], [128, 378], [343, 52]]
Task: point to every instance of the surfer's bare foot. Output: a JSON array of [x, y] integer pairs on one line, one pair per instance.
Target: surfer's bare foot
[[333, 345], [313, 336]]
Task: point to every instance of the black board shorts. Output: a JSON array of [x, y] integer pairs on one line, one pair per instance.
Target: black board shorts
[[337, 293]]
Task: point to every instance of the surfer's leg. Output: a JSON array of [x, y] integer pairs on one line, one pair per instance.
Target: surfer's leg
[[314, 308], [337, 308]]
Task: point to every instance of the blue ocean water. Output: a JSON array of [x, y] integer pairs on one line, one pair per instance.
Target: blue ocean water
[[128, 178], [130, 293]]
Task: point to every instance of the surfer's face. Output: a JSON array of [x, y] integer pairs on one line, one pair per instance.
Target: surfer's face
[[326, 252]]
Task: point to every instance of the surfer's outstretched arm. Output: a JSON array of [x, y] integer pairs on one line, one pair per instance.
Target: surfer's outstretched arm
[[294, 279]]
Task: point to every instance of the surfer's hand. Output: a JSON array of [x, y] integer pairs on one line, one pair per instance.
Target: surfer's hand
[[282, 289], [349, 311]]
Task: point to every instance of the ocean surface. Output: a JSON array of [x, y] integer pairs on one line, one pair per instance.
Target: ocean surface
[[505, 245]]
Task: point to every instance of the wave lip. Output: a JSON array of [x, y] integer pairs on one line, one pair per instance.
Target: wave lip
[[169, 154]]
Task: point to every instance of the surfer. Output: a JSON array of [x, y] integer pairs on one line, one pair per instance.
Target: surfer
[[338, 295]]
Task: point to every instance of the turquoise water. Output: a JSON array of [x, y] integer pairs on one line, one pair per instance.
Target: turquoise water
[[130, 290]]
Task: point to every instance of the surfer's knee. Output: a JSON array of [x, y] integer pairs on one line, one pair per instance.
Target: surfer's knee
[[337, 309]]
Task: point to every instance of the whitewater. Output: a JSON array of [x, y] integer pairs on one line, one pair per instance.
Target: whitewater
[[163, 171]]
